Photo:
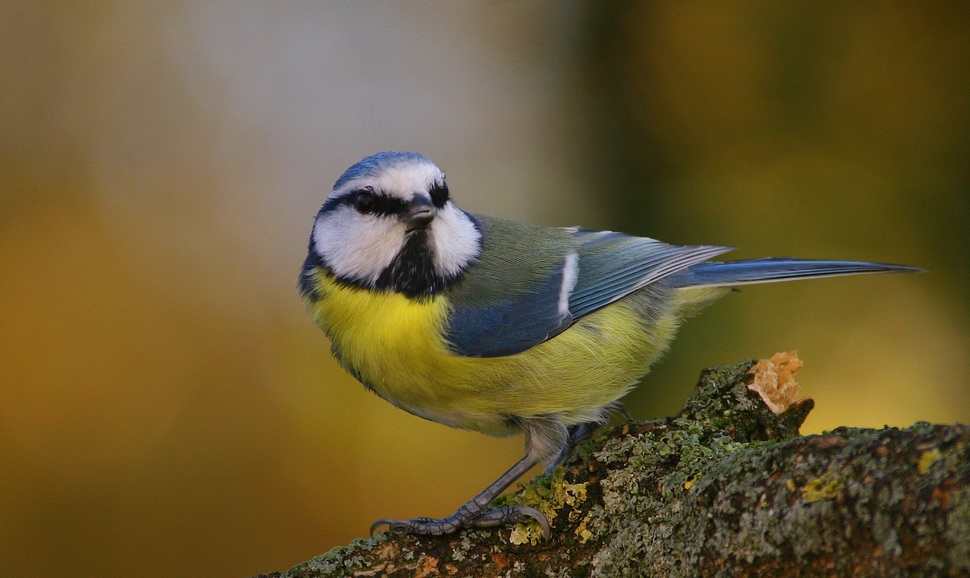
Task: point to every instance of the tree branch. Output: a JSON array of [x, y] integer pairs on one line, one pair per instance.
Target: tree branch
[[726, 488]]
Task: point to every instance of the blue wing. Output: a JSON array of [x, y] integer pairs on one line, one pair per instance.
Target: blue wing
[[509, 323], [613, 265], [532, 283]]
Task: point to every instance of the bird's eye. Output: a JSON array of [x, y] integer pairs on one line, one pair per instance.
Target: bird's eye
[[364, 202], [439, 194]]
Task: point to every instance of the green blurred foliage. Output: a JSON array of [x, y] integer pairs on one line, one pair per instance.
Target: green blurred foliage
[[166, 407]]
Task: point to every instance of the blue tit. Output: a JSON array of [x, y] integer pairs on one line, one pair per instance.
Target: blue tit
[[497, 326]]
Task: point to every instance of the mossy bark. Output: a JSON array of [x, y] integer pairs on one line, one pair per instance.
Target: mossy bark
[[727, 488]]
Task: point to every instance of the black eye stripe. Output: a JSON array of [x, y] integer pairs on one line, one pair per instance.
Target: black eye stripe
[[384, 205]]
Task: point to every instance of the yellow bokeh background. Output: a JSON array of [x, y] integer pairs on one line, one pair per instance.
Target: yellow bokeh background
[[166, 406]]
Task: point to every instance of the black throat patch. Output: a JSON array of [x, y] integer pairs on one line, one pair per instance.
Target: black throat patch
[[412, 272]]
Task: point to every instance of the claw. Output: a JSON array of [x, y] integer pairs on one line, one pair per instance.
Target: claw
[[379, 523], [540, 518], [511, 515], [392, 525]]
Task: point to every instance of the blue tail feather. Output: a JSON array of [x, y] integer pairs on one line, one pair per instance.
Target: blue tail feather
[[729, 273]]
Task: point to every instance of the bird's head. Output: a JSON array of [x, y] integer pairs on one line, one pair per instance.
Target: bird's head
[[389, 224]]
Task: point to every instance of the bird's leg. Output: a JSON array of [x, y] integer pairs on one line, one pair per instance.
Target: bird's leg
[[474, 513], [545, 436], [577, 434], [581, 432]]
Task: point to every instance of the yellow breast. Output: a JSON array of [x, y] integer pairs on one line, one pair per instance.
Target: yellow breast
[[394, 345]]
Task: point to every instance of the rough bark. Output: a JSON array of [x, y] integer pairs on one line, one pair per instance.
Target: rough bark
[[727, 488]]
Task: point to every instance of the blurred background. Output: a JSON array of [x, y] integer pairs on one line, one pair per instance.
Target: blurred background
[[166, 405]]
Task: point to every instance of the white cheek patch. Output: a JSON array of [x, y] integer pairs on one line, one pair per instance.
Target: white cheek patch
[[455, 240], [357, 246]]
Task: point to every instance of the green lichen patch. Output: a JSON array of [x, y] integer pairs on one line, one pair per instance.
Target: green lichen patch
[[824, 487], [551, 494], [927, 459]]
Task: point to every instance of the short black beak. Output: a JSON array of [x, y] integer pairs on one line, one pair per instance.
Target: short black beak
[[419, 214]]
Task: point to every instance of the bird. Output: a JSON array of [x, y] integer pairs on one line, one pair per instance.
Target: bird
[[498, 326]]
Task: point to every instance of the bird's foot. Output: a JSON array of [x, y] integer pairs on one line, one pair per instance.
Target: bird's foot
[[465, 518]]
